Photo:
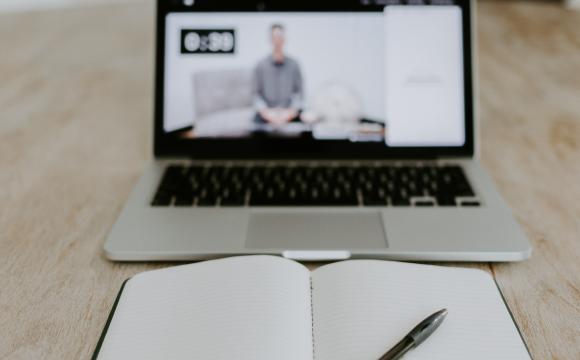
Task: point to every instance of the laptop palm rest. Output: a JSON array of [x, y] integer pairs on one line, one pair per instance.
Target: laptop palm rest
[[315, 231]]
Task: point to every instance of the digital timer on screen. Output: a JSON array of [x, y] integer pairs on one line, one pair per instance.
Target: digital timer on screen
[[208, 41]]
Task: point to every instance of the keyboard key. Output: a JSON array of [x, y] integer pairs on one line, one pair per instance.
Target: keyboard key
[[161, 201], [424, 203], [233, 201], [401, 202], [470, 203], [207, 199], [446, 200], [184, 202]]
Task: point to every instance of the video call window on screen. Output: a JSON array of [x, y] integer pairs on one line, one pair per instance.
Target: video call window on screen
[[394, 77]]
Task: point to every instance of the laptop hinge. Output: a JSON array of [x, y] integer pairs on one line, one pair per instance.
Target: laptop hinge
[[316, 255]]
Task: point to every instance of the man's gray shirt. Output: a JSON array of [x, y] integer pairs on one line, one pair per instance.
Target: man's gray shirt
[[278, 84]]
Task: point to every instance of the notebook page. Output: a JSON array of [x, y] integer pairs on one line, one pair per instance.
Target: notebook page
[[361, 308], [251, 307]]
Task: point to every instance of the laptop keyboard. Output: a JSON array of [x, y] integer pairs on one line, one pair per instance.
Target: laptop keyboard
[[314, 185]]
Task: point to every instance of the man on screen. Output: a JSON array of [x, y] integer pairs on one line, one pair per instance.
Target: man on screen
[[278, 90]]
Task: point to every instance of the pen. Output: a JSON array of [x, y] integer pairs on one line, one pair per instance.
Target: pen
[[416, 336]]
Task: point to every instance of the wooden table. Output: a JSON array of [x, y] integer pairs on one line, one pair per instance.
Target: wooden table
[[75, 133]]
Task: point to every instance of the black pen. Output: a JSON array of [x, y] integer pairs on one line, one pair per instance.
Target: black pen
[[416, 336]]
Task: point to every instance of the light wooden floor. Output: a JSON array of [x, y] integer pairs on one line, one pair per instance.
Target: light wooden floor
[[75, 132], [40, 5]]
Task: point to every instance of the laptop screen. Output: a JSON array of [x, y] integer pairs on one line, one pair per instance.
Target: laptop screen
[[367, 77]]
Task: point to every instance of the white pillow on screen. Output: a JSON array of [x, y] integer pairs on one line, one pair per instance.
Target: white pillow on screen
[[337, 104]]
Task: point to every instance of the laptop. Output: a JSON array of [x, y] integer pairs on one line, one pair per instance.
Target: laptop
[[315, 131]]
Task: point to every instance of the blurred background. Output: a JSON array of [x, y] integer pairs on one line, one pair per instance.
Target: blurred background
[[22, 5], [18, 5]]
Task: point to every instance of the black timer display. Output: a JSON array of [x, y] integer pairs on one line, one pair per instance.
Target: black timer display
[[208, 41]]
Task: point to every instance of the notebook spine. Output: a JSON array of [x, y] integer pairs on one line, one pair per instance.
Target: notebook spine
[[312, 319]]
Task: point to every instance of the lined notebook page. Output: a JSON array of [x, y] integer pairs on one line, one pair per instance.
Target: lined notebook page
[[257, 307], [362, 308]]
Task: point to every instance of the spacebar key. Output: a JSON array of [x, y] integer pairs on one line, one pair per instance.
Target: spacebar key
[[303, 202]]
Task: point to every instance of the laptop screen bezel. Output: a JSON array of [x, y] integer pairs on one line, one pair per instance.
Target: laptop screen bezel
[[167, 145]]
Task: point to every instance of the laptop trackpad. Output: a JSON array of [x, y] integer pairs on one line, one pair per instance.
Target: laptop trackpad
[[316, 231]]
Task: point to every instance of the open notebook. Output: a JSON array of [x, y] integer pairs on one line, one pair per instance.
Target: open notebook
[[265, 307]]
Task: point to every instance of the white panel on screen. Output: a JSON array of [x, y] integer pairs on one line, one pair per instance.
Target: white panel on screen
[[424, 92]]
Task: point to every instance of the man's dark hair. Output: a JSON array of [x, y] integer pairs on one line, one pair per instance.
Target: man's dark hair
[[276, 26]]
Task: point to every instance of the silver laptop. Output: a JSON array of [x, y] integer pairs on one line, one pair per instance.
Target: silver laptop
[[315, 131]]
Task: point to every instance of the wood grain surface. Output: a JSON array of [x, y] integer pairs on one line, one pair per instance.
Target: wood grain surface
[[75, 133]]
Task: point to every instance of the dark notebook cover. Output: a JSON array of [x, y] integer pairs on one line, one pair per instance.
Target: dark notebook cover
[[109, 319]]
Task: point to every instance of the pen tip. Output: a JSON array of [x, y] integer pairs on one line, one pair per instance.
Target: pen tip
[[443, 312]]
